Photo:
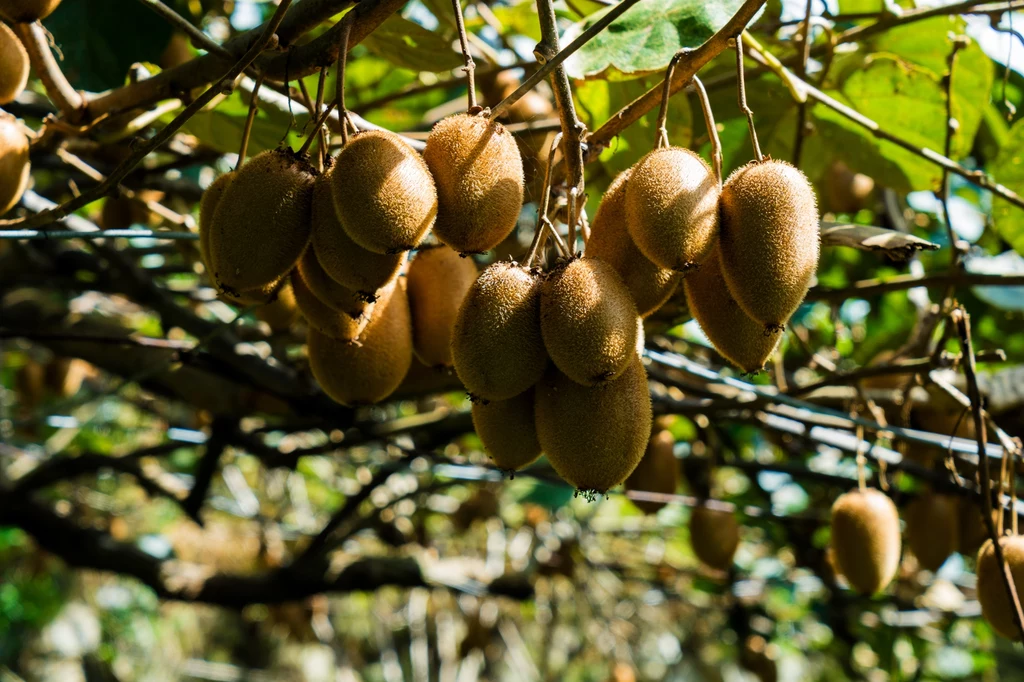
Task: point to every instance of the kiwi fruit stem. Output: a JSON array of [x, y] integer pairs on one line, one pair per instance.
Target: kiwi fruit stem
[[249, 119], [544, 226], [470, 66], [741, 93]]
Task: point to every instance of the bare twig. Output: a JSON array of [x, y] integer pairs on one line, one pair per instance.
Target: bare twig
[[59, 90], [741, 95], [198, 38], [470, 66], [805, 56], [254, 107], [963, 327], [951, 129]]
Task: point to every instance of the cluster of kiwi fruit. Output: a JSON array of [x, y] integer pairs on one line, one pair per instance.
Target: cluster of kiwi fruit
[[14, 71]]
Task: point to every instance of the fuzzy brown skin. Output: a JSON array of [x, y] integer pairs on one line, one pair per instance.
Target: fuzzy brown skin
[[262, 223], [368, 370], [866, 539], [508, 430], [594, 436], [27, 11], [330, 293], [497, 347], [281, 313], [933, 529], [714, 536], [321, 317], [479, 174], [996, 606], [14, 164], [672, 208], [383, 192], [438, 281], [588, 321], [609, 241], [13, 65], [739, 339], [259, 296], [342, 259], [657, 472], [770, 239], [207, 207]]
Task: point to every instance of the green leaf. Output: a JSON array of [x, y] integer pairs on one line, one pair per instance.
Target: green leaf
[[1008, 170], [221, 128], [906, 101], [928, 44], [644, 38], [599, 99], [407, 44], [519, 19], [101, 40]]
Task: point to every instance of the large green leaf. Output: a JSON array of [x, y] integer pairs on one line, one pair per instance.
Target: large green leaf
[[928, 44], [644, 38], [1008, 170], [406, 43], [906, 101], [519, 19], [101, 39], [221, 128], [599, 99]]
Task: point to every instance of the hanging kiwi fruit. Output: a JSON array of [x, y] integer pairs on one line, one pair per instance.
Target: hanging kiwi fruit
[[588, 321], [714, 536], [933, 528], [508, 430], [323, 318], [261, 224], [594, 436], [329, 292], [368, 370], [14, 164], [384, 193], [657, 472], [996, 606], [14, 65], [738, 338], [866, 539], [649, 284], [282, 312], [497, 347], [479, 174], [347, 263], [207, 207], [27, 11], [438, 281]]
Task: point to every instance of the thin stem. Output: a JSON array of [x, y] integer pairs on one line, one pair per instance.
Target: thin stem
[[340, 84], [545, 199], [322, 130], [321, 119], [951, 128], [267, 40], [563, 54], [470, 65], [254, 105], [540, 237], [709, 121], [58, 89], [741, 95], [198, 38], [963, 326], [571, 228], [805, 56], [662, 128]]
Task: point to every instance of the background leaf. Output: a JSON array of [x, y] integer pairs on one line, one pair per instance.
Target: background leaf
[[1008, 170], [645, 37], [406, 43]]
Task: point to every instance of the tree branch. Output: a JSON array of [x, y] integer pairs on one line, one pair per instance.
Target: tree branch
[[875, 287], [67, 100]]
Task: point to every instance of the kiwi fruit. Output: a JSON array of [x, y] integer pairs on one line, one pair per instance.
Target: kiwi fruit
[[330, 293], [367, 371], [657, 472], [253, 297], [27, 11], [846, 191], [497, 347], [64, 376], [737, 337], [207, 207], [384, 193], [479, 174], [594, 436], [609, 241], [323, 318], [13, 65], [972, 532], [282, 312], [438, 280], [932, 529], [866, 539], [996, 605], [588, 321], [14, 165], [714, 536], [769, 240], [347, 263], [508, 430], [672, 208], [262, 222]]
